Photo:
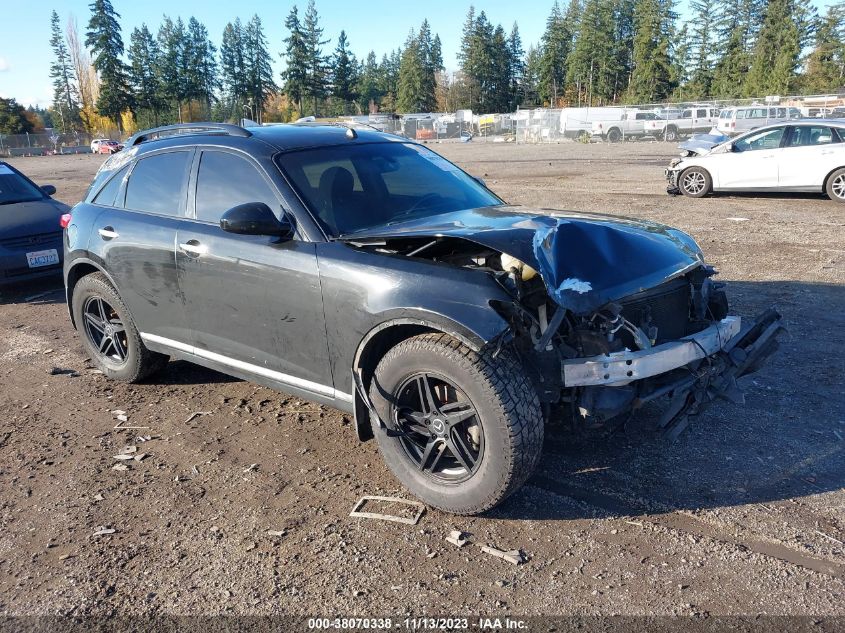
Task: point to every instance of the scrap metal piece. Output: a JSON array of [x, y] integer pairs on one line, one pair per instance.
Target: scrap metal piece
[[514, 556], [356, 510], [457, 538]]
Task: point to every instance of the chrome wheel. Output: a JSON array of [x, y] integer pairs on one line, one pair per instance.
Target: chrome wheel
[[441, 433], [693, 182], [838, 186], [104, 329]]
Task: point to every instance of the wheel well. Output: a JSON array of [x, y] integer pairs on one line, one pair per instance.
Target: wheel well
[[367, 360], [826, 178], [74, 275]]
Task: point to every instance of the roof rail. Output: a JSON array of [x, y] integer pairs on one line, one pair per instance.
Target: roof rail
[[227, 129]]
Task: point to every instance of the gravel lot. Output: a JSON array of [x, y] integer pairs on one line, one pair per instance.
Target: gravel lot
[[744, 514]]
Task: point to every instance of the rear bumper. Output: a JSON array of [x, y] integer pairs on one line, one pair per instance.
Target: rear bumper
[[14, 267]]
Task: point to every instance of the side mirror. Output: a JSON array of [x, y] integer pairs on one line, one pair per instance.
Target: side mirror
[[48, 189], [255, 218]]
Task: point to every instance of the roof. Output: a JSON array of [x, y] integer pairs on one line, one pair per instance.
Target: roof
[[302, 135]]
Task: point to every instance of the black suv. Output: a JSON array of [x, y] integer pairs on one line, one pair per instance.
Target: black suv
[[366, 272]]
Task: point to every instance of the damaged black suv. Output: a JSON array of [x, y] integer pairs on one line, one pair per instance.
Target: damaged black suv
[[366, 272]]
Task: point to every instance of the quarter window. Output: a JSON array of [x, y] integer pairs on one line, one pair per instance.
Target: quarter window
[[107, 194], [225, 181], [157, 184]]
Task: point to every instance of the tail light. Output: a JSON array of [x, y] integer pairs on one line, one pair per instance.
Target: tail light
[[65, 220]]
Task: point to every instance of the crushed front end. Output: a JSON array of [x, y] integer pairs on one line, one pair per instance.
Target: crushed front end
[[675, 340]]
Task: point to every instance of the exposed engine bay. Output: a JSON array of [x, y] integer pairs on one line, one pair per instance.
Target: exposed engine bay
[[600, 364]]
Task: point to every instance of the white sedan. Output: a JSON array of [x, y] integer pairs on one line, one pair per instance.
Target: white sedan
[[806, 156]]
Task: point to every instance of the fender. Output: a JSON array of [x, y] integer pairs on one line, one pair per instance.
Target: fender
[[70, 276]]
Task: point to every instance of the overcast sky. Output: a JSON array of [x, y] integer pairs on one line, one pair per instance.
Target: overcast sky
[[379, 25]]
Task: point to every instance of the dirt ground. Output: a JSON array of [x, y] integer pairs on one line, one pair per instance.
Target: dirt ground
[[744, 514]]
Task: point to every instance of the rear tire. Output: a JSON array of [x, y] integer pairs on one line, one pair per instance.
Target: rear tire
[[500, 440], [614, 135], [695, 182], [836, 185], [113, 342], [670, 135]]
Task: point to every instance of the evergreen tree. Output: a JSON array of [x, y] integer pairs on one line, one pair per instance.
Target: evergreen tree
[[143, 62], [233, 73], [556, 48], [516, 68], [531, 77], [13, 119], [702, 42], [344, 73], [316, 70], [826, 63], [295, 74], [738, 22], [370, 85], [171, 63], [651, 80], [776, 51], [681, 54], [500, 75], [65, 94], [200, 55], [416, 90], [594, 67], [259, 72], [106, 45]]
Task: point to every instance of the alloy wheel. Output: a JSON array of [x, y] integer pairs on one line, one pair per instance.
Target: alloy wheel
[[694, 182], [439, 426], [838, 186], [105, 330]]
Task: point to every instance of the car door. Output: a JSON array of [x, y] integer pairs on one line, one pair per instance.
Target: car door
[[253, 302], [810, 153], [136, 236], [753, 163]]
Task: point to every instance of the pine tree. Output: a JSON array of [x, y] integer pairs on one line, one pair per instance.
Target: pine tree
[[344, 74], [594, 67], [681, 54], [317, 71], [143, 62], [776, 52], [200, 55], [826, 62], [106, 45], [370, 86], [556, 48], [516, 68], [65, 93], [651, 80], [233, 69], [531, 77], [259, 72], [737, 22], [295, 74], [702, 42], [171, 63], [416, 90]]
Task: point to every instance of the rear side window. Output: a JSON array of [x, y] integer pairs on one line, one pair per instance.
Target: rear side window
[[107, 194], [811, 135], [157, 184], [225, 181]]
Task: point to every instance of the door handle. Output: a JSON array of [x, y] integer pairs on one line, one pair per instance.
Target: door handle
[[108, 233], [193, 248]]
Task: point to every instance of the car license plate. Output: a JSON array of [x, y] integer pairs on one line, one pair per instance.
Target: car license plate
[[36, 259]]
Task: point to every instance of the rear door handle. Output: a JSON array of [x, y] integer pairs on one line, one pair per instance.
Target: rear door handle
[[193, 248], [108, 233]]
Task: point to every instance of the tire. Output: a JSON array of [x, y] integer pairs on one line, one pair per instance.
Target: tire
[[125, 357], [671, 134], [614, 135], [835, 186], [695, 182], [504, 434]]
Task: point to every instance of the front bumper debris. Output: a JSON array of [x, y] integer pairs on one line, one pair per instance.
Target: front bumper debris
[[692, 372], [671, 174]]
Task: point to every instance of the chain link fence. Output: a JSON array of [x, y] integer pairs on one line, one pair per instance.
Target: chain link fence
[[46, 143]]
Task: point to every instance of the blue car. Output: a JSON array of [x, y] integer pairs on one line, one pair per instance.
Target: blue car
[[30, 233]]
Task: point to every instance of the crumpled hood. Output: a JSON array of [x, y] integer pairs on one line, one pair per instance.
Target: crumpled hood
[[30, 218], [703, 144], [585, 260]]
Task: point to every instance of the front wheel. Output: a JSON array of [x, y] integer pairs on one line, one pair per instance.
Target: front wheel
[[108, 332], [467, 428], [836, 185], [695, 182]]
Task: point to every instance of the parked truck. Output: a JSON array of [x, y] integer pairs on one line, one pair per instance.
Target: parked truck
[[692, 120], [631, 125]]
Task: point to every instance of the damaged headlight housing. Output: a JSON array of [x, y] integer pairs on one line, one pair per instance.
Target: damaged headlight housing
[[523, 270]]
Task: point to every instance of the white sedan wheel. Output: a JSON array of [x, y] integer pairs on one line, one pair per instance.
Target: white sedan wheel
[[836, 186], [694, 182]]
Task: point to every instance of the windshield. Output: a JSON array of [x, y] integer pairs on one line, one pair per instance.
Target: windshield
[[354, 187], [14, 188]]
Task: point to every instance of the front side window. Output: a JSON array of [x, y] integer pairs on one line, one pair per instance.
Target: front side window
[[157, 183], [359, 186], [805, 136], [770, 139], [224, 181], [15, 188]]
